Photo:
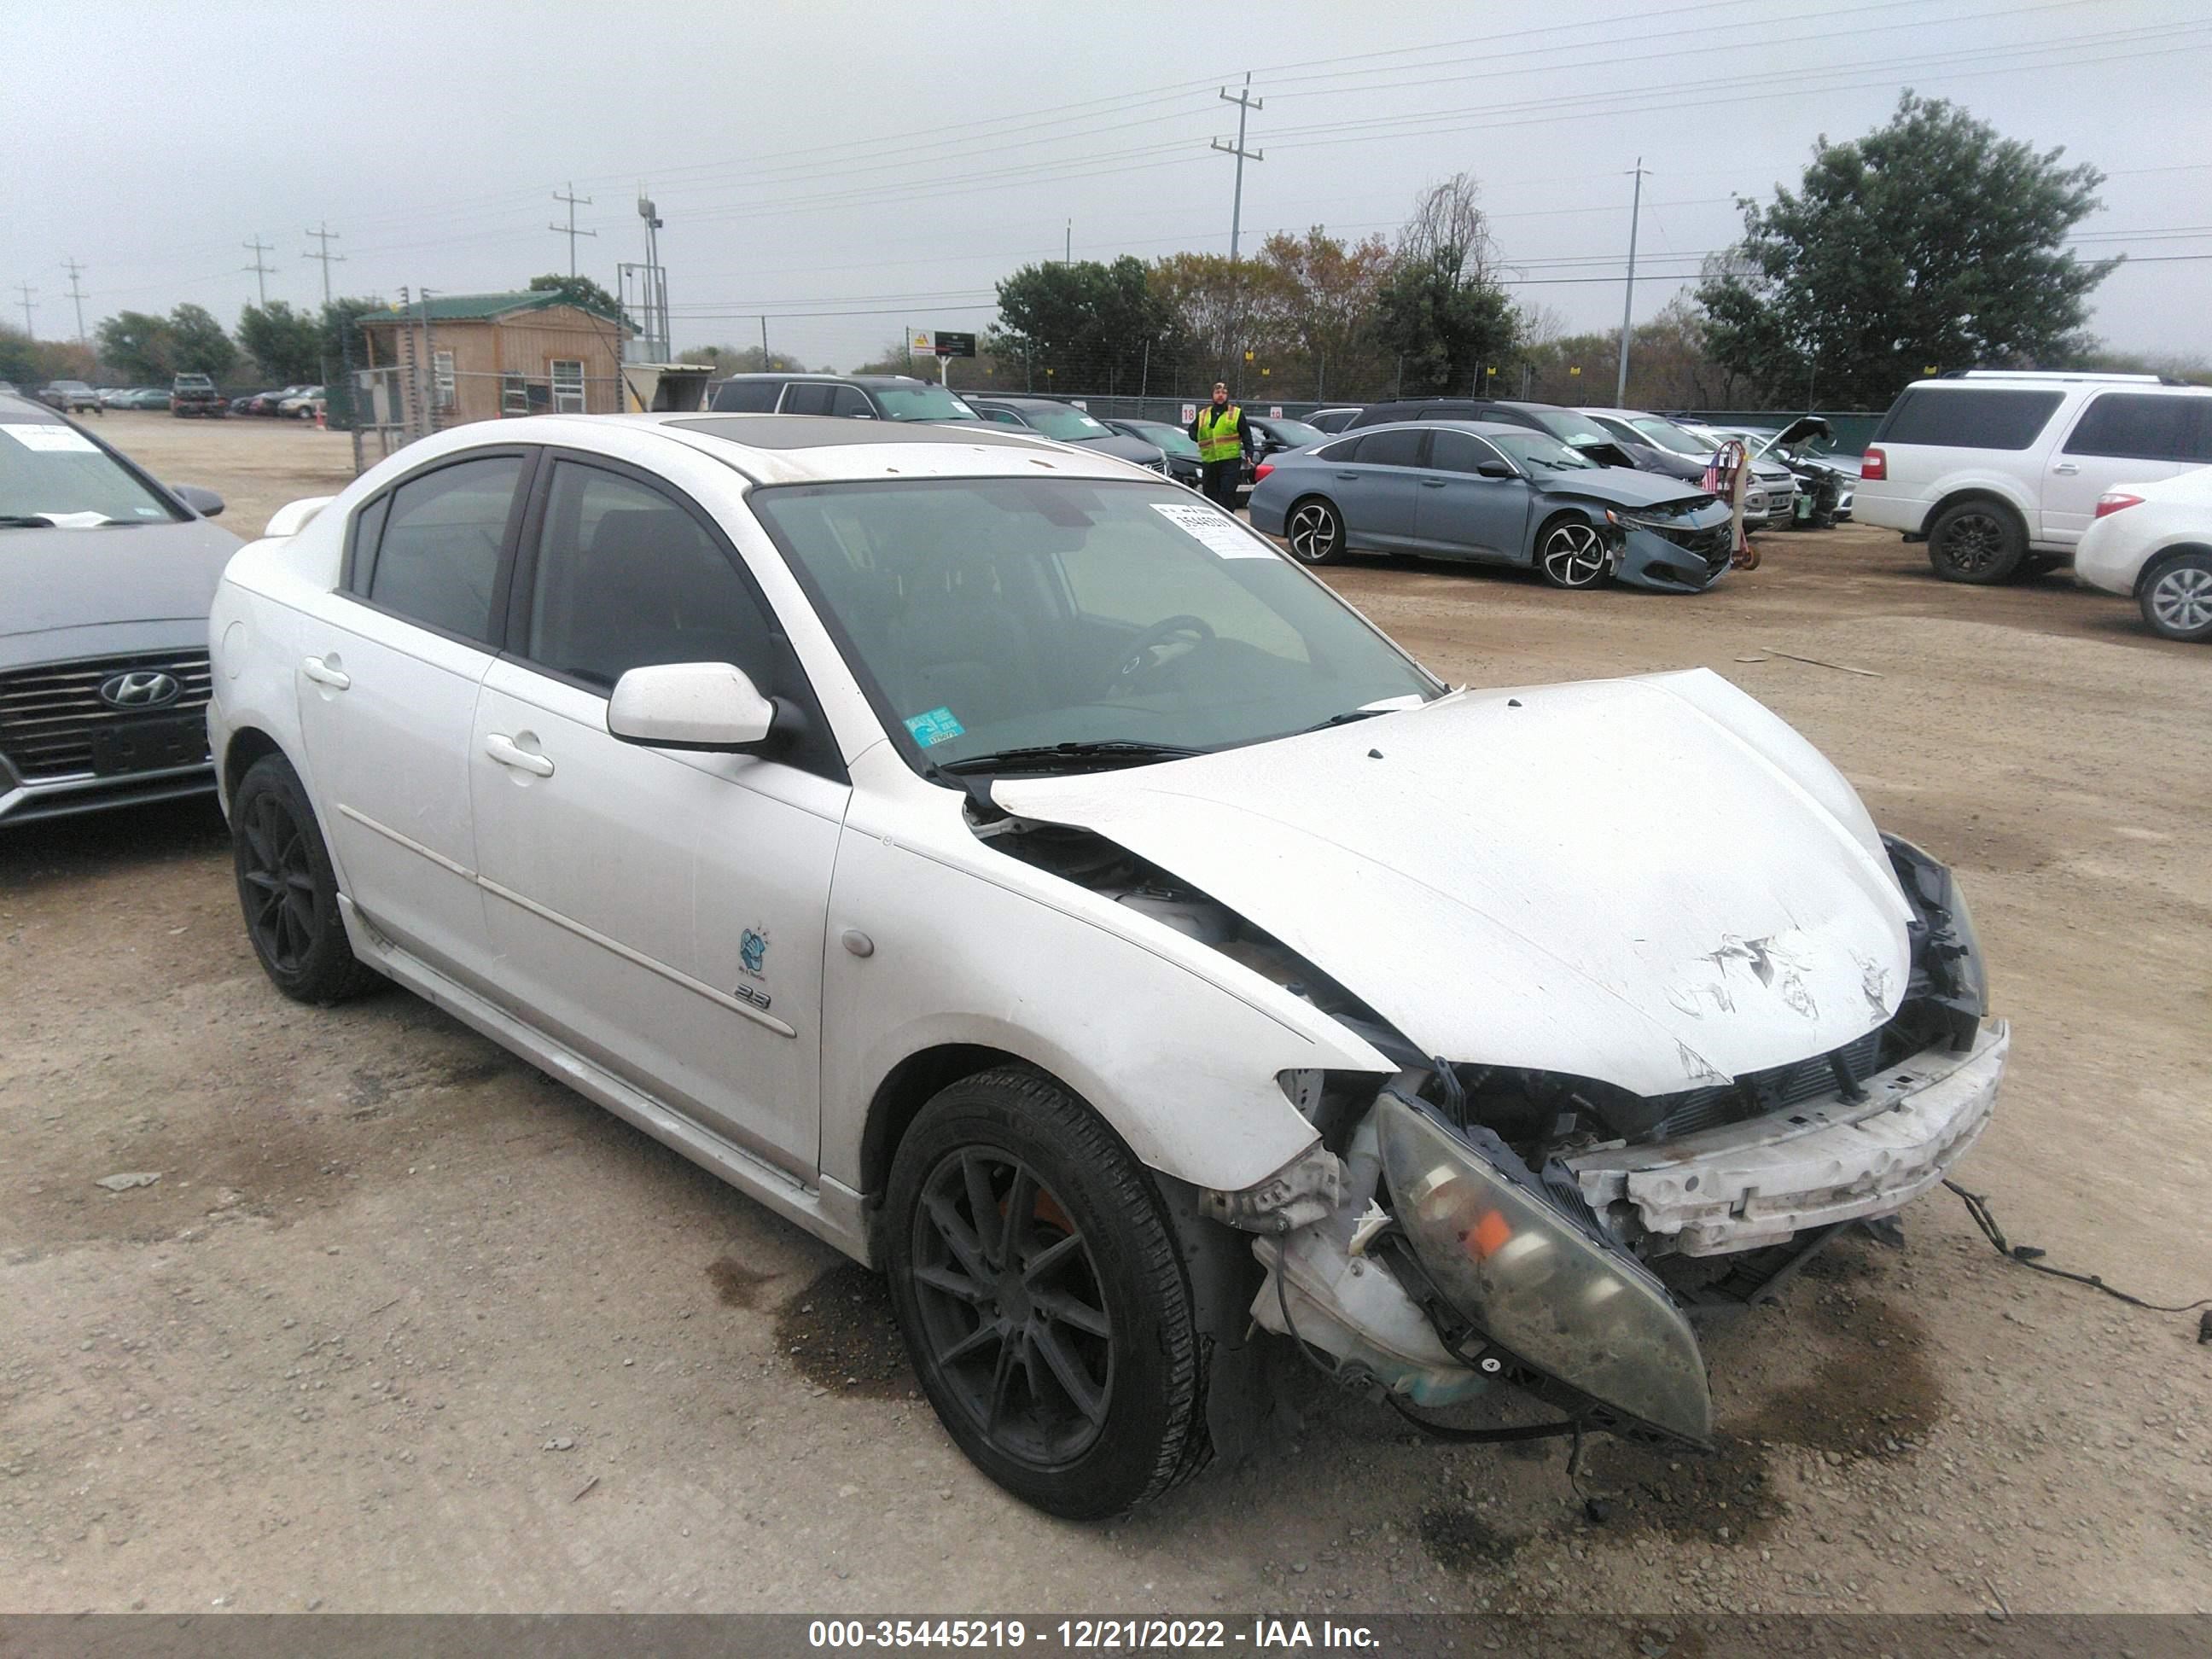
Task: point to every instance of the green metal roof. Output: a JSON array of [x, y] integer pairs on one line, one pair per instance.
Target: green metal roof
[[476, 308]]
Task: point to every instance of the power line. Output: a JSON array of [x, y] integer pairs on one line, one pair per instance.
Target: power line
[[324, 237], [76, 294], [570, 230], [261, 272]]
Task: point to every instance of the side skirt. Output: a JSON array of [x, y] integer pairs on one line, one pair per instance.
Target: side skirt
[[832, 1212]]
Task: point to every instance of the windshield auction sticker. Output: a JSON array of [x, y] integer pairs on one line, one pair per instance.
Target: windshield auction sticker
[[1221, 535], [37, 436]]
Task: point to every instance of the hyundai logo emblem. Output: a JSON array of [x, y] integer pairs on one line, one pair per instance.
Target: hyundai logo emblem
[[139, 689]]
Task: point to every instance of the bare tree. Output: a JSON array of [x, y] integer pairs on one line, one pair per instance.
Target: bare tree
[[1447, 220]]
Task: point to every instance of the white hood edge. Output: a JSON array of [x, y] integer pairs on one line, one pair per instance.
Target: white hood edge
[[1653, 882]]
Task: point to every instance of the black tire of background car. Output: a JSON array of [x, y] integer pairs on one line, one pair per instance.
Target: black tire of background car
[[2176, 597], [289, 891], [1565, 525], [1317, 525], [1979, 541], [1153, 1434]]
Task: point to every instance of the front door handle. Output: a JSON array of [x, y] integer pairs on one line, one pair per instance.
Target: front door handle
[[1347, 477], [323, 674], [1432, 484], [503, 749], [2066, 467]]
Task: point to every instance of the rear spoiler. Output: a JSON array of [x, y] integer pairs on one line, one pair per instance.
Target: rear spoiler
[[292, 516]]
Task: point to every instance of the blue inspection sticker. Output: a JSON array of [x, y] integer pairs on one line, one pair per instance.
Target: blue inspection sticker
[[937, 727]]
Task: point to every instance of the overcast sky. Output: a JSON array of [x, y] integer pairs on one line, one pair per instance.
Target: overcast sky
[[887, 162]]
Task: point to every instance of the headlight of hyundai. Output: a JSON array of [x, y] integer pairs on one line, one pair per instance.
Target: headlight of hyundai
[[1537, 1284]]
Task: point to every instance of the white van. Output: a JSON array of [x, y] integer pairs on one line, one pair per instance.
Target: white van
[[1999, 470]]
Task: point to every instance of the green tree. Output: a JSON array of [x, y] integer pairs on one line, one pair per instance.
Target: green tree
[[1441, 312], [1318, 297], [583, 293], [139, 346], [286, 344], [199, 344], [743, 360], [1932, 240], [1084, 326]]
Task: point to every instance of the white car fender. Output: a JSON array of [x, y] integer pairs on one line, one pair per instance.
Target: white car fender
[[1176, 1046]]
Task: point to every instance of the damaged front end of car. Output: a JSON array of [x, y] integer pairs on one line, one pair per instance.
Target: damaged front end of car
[[1468, 1229]]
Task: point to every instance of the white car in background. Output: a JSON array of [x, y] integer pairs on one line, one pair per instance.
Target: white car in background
[[2153, 541], [1028, 880]]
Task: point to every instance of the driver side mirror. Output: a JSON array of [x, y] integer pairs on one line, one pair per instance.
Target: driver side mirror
[[205, 502], [1494, 470], [710, 706]]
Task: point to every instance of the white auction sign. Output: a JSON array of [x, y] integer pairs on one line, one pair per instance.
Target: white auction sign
[[1190, 413], [1274, 411]]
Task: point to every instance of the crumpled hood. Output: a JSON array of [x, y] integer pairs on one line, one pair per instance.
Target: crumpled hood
[[1655, 882], [58, 579], [1617, 485]]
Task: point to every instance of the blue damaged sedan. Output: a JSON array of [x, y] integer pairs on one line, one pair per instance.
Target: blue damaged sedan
[[1500, 495]]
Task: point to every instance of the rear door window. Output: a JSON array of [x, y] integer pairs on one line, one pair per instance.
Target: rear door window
[[808, 398], [747, 397], [2138, 426], [437, 559], [1392, 446], [1971, 417]]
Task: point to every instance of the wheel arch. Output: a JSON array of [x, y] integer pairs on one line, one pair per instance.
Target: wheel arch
[[247, 744], [1979, 492], [2164, 557], [911, 1084]]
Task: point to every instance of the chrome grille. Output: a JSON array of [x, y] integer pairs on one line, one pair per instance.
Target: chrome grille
[[49, 716]]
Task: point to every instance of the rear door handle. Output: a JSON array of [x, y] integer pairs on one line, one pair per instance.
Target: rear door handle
[[1432, 484], [2067, 467], [1347, 477], [502, 749], [323, 674]]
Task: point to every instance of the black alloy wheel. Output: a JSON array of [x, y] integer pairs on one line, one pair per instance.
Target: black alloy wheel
[[1976, 542], [288, 889], [1315, 533], [1042, 1299]]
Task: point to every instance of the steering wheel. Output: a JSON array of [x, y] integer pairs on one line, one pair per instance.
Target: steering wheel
[[1133, 660]]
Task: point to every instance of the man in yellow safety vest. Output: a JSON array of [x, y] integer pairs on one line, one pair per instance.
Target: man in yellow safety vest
[[1224, 440]]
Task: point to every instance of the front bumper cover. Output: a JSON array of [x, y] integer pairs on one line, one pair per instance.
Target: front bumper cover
[[1756, 1182]]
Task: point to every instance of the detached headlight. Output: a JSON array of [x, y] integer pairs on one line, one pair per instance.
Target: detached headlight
[[1947, 950], [1537, 1285]]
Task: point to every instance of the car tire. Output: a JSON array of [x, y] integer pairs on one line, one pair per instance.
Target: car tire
[[2176, 597], [1072, 1379], [289, 891], [1571, 553], [1313, 531], [1980, 541]]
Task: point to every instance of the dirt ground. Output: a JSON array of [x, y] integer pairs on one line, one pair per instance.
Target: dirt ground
[[405, 1325]]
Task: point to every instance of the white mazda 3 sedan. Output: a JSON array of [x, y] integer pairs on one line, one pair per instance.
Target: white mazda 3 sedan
[[1026, 879]]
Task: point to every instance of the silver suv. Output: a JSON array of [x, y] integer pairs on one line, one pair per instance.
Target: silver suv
[[1999, 470]]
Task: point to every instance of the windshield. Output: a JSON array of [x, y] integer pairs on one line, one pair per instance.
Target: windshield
[[1667, 435], [922, 402], [991, 614], [1533, 450], [50, 470], [1172, 439], [1296, 434], [1068, 425]]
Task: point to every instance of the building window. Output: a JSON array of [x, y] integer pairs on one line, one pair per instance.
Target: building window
[[513, 395], [568, 385], [441, 377]]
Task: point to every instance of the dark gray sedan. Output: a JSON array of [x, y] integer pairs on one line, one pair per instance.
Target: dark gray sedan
[[1504, 495], [106, 578], [1066, 423]]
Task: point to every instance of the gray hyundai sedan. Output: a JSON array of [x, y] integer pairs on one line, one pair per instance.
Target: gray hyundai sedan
[[1504, 495], [106, 577]]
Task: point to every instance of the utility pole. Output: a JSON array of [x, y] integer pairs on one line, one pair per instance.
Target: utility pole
[[261, 272], [764, 362], [324, 237], [1628, 300], [1068, 252], [76, 294], [569, 229], [1246, 103], [28, 294]]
